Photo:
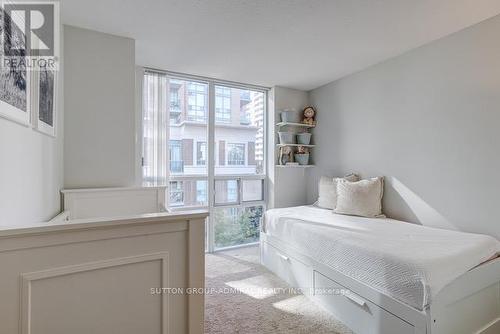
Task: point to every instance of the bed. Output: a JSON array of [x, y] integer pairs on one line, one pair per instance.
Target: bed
[[386, 276]]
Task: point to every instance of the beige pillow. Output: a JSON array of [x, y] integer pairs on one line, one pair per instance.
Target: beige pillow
[[327, 189], [361, 198]]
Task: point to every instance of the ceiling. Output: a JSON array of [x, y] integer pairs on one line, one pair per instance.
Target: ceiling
[[300, 44]]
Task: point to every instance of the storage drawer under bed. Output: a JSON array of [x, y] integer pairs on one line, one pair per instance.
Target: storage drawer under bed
[[294, 272], [359, 314]]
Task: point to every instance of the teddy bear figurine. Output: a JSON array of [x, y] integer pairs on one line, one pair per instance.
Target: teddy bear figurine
[[309, 114], [302, 150], [286, 155]]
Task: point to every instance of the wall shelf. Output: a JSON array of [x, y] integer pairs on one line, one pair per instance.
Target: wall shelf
[[295, 166], [295, 124], [294, 145]]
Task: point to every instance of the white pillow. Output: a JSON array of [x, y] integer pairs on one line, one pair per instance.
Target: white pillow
[[327, 189], [361, 198]]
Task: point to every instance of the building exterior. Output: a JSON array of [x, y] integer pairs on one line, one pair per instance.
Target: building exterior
[[239, 140]]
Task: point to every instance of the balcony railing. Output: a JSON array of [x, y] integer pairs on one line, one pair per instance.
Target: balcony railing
[[176, 166]]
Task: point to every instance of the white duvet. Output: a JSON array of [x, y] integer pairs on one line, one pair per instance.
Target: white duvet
[[408, 262]]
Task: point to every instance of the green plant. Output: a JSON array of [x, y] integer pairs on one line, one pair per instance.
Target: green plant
[[233, 227]]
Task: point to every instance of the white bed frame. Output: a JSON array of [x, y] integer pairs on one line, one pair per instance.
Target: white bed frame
[[111, 202], [470, 304]]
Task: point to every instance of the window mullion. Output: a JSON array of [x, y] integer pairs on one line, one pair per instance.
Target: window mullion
[[211, 164]]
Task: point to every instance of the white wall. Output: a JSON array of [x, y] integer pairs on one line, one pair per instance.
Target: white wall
[[286, 186], [99, 149], [31, 168], [427, 120]]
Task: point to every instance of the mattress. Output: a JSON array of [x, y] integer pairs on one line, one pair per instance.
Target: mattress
[[405, 261]]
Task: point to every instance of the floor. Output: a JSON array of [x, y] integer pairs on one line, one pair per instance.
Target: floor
[[243, 297]]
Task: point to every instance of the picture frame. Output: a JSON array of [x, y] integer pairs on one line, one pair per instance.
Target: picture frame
[[45, 101], [16, 95], [15, 81]]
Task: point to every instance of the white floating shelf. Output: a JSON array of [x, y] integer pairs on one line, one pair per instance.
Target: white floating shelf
[[282, 145], [295, 166], [295, 124]]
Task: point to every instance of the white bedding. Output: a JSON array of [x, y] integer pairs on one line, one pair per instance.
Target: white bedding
[[408, 262]]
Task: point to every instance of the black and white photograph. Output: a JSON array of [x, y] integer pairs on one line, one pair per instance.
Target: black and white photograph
[[14, 77], [46, 96]]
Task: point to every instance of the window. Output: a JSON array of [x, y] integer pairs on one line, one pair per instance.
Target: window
[[235, 226], [175, 102], [232, 188], [197, 102], [236, 154], [226, 192], [245, 107], [176, 163], [222, 104], [201, 153], [232, 191], [176, 193], [201, 192], [175, 105], [253, 190]]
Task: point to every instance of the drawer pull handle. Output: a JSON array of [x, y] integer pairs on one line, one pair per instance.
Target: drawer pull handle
[[283, 257], [355, 299]]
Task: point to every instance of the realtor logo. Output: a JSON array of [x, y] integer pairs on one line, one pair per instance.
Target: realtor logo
[[30, 29]]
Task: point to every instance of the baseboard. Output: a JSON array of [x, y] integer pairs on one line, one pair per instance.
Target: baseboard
[[492, 328]]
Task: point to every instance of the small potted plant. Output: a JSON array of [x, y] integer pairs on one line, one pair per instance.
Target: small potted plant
[[302, 156]]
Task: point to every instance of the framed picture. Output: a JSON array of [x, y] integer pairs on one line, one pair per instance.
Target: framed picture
[[15, 78], [15, 93], [46, 101]]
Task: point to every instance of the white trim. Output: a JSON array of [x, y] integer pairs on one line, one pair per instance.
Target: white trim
[[194, 177], [491, 328], [99, 223], [295, 124], [139, 82], [237, 246], [241, 205], [295, 145], [232, 84], [94, 190], [28, 278], [295, 166], [212, 154]]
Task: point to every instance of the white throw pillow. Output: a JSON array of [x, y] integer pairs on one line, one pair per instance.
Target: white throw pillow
[[327, 189], [361, 198]]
